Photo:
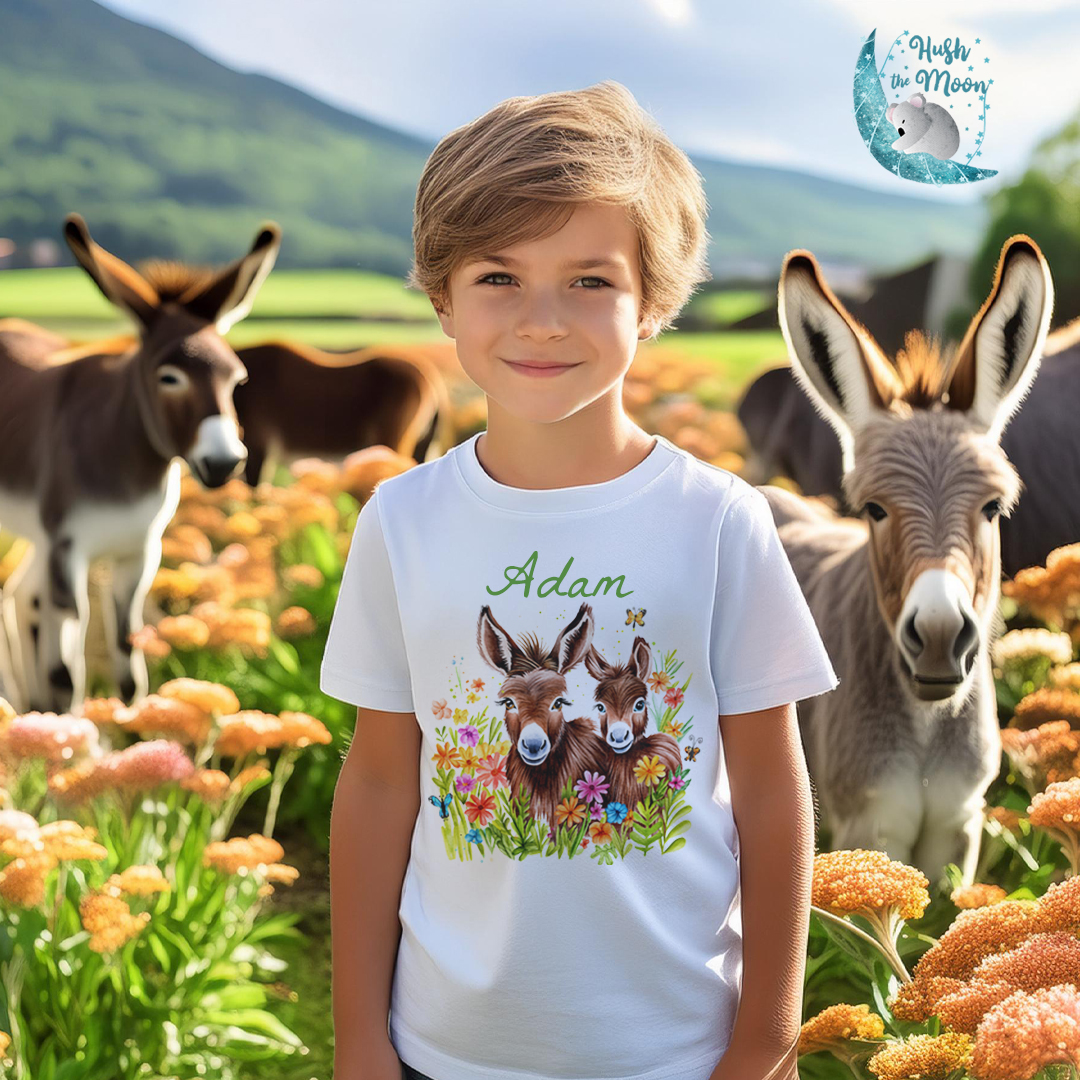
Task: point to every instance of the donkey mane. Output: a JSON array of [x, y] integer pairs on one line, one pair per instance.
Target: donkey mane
[[924, 369], [175, 280], [532, 655]]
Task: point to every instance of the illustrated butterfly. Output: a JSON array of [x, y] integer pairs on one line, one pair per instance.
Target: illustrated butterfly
[[692, 753], [635, 618], [443, 804]]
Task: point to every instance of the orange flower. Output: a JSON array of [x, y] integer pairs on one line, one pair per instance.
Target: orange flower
[[571, 811], [446, 756], [601, 833]]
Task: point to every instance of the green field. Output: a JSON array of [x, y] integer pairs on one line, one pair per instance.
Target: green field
[[350, 309]]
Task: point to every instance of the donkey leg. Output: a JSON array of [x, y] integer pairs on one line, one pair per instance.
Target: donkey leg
[[131, 580], [22, 620], [888, 820], [953, 828], [65, 616]]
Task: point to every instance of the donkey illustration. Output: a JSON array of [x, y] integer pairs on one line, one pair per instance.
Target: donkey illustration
[[88, 438], [300, 401], [788, 437], [547, 749], [906, 599], [621, 701]]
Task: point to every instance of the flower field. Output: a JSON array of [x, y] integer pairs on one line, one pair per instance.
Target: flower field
[[148, 853]]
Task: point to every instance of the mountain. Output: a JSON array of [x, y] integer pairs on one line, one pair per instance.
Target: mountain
[[167, 152]]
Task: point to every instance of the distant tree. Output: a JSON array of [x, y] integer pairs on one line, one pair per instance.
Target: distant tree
[[1045, 204]]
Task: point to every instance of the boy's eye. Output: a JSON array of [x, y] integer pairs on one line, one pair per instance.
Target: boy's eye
[[486, 280]]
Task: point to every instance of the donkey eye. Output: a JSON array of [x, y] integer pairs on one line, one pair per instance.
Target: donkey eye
[[172, 377], [559, 702], [639, 705], [600, 705], [507, 701], [992, 509], [875, 510]]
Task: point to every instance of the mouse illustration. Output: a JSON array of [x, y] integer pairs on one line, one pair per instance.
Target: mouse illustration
[[925, 128]]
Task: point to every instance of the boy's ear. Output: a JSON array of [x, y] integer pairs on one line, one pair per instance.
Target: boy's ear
[[446, 319]]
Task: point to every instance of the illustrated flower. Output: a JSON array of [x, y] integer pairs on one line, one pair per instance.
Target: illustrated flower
[[465, 783], [649, 770], [875, 887], [480, 809], [446, 756], [659, 680], [675, 729], [1028, 1031], [491, 771], [571, 811], [934, 1057], [468, 734], [1057, 810], [593, 787], [834, 1028], [601, 833], [596, 811], [673, 697], [616, 812], [469, 758], [474, 836], [440, 710], [584, 843], [472, 698], [676, 782], [461, 716], [476, 684]]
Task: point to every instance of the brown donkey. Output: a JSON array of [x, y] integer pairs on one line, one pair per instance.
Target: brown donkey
[[547, 749], [300, 401], [622, 704], [906, 595], [89, 438]]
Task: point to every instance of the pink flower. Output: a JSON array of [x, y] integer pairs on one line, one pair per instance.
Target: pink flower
[[146, 765], [1025, 1032], [676, 782], [468, 734], [440, 710], [592, 788], [597, 811], [465, 783], [55, 738], [491, 771]]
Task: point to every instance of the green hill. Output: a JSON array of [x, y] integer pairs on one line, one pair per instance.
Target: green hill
[[167, 152]]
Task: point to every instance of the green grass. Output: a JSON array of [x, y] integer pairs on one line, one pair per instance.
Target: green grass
[[726, 307]]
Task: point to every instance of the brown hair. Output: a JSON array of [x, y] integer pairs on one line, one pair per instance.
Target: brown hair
[[515, 174]]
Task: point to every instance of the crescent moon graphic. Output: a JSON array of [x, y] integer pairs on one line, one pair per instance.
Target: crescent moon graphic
[[879, 134]]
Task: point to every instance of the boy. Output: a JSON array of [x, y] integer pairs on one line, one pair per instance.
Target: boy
[[535, 863]]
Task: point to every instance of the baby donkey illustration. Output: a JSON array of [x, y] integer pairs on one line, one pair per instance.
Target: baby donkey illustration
[[624, 715], [547, 749]]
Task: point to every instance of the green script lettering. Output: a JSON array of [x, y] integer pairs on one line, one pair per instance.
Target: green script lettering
[[523, 575]]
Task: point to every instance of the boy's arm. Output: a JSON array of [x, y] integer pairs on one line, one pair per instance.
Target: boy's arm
[[773, 808], [376, 801]]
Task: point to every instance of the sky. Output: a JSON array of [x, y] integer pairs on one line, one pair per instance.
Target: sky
[[768, 81]]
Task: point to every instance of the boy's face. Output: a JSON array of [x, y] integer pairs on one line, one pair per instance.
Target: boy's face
[[536, 305]]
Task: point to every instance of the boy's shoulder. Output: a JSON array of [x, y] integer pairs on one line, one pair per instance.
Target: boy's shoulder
[[418, 483], [719, 485]]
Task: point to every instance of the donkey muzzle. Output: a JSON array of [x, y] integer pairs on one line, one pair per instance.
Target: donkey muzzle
[[620, 737], [937, 634], [217, 451], [533, 745]]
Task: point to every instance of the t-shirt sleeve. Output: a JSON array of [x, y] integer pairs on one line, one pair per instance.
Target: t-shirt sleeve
[[364, 661], [765, 649]]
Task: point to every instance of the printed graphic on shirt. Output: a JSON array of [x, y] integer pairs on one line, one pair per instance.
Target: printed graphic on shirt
[[543, 775]]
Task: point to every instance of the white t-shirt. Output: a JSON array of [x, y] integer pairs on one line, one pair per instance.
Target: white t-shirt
[[561, 649]]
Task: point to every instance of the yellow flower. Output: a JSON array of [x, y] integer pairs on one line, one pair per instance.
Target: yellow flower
[[461, 716], [833, 1028], [469, 759], [927, 1056], [649, 770]]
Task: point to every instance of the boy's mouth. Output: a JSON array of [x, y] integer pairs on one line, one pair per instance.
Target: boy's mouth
[[540, 368]]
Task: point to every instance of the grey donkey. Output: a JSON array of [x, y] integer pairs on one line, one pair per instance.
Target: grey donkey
[[906, 594]]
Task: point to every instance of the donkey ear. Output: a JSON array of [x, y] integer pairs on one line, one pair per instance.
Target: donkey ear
[[834, 358], [120, 283], [999, 357], [228, 298]]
